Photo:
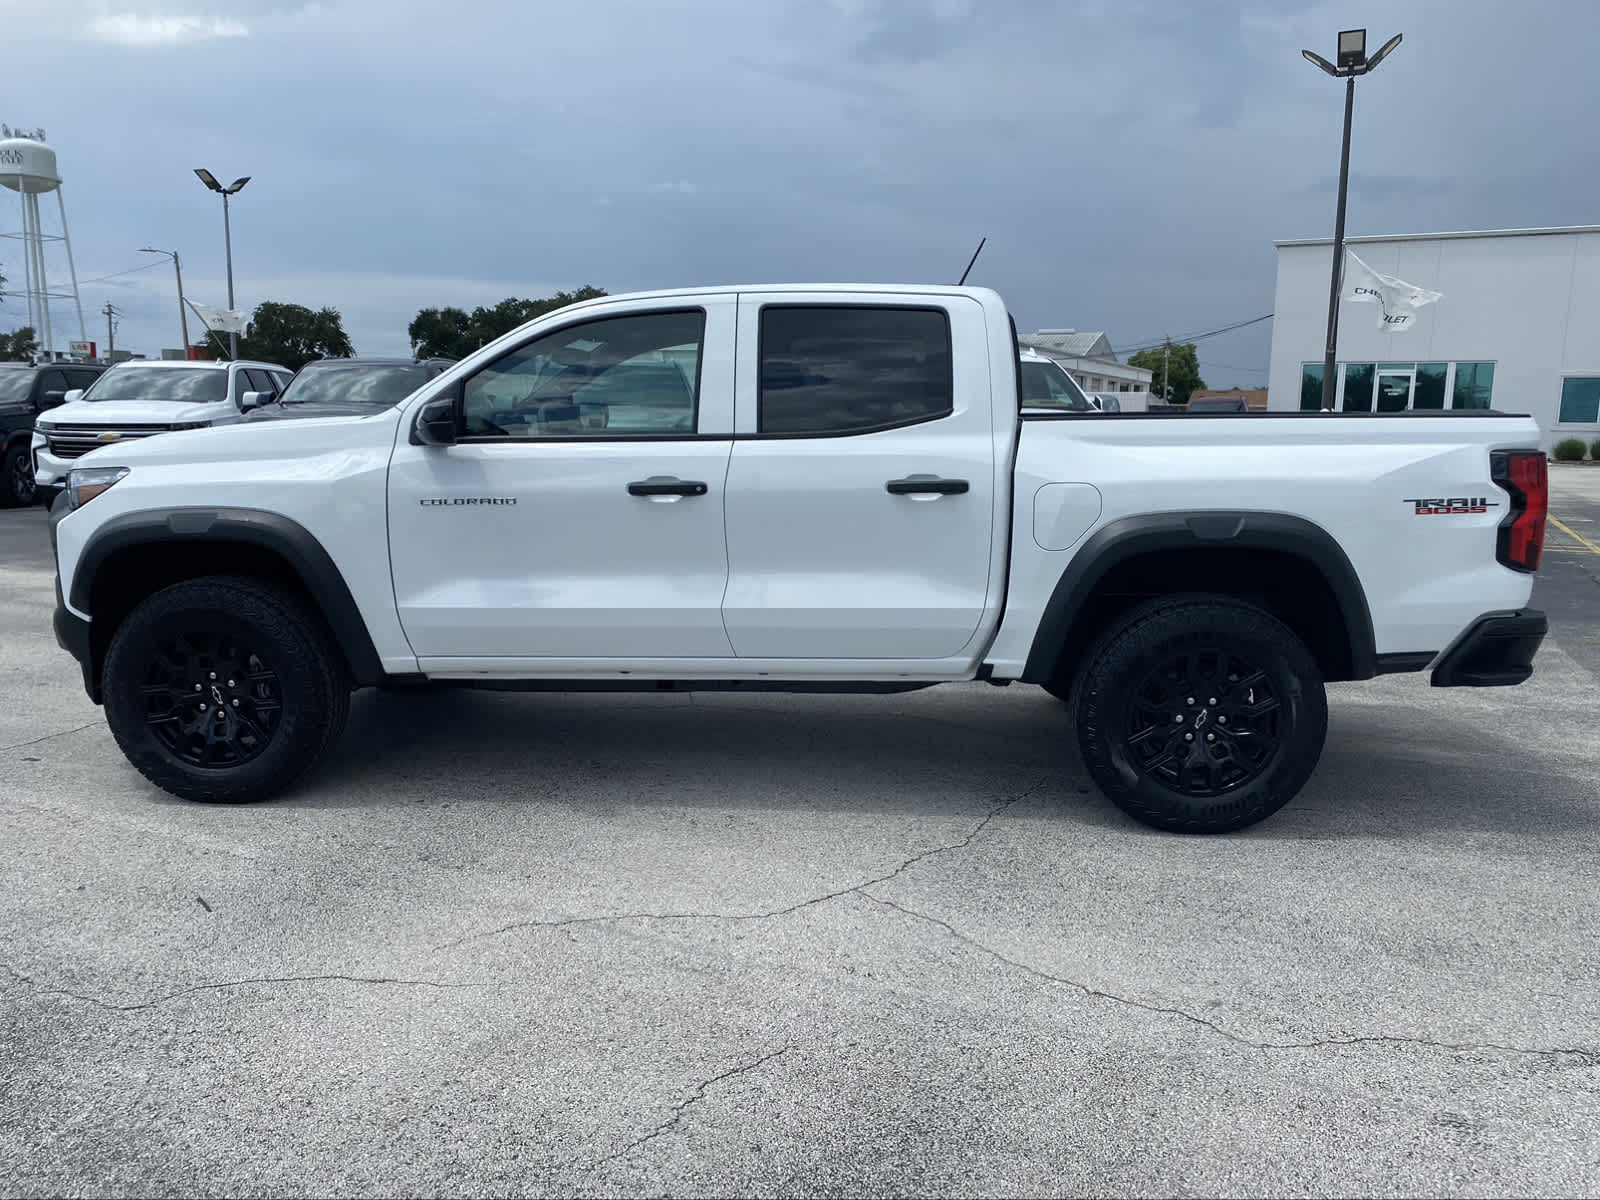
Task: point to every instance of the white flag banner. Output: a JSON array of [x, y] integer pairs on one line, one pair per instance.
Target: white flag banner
[[1397, 300], [223, 320]]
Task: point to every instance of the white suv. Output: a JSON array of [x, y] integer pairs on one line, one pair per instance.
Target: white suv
[[137, 399]]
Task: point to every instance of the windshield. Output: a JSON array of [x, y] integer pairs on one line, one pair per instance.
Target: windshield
[[14, 386], [355, 383], [1045, 385], [187, 385]]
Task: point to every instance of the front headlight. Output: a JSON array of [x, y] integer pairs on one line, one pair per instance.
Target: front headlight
[[44, 426], [85, 483]]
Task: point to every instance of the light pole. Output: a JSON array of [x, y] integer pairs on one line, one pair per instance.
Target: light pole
[[183, 317], [210, 180], [1353, 61]]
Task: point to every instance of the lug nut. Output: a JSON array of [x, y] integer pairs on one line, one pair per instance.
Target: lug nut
[[1190, 701], [1188, 737], [198, 688], [1222, 720], [1213, 700], [213, 674], [1211, 737], [230, 683], [236, 704], [1177, 718], [202, 708]]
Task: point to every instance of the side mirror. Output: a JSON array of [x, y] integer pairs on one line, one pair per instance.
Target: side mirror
[[256, 400], [52, 400], [436, 423]]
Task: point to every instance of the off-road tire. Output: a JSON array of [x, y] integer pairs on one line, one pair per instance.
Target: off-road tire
[[309, 687], [1117, 710]]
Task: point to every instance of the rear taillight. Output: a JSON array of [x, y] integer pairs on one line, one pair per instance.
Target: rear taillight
[[1523, 476]]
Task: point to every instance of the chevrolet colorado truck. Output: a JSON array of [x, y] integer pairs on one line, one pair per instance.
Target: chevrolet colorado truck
[[808, 488]]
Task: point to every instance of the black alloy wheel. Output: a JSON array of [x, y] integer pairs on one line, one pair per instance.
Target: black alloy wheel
[[1204, 722], [211, 700]]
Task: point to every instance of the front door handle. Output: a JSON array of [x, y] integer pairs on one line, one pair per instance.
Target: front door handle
[[926, 485], [666, 485]]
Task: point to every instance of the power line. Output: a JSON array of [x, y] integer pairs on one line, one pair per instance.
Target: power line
[[1152, 344], [114, 274]]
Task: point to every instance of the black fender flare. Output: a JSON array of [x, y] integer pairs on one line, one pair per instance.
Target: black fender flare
[[1129, 537], [242, 526]]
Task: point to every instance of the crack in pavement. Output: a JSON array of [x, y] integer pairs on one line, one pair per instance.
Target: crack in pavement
[[1590, 1057], [611, 918], [223, 985], [684, 1105], [48, 736]]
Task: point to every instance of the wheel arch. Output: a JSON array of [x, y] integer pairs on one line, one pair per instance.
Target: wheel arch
[[136, 555], [1292, 566]]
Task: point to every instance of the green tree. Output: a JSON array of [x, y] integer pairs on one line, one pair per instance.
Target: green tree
[[1181, 367], [455, 333], [292, 335], [20, 346]]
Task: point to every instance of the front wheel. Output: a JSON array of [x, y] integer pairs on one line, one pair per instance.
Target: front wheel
[[1201, 714], [224, 690], [16, 478]]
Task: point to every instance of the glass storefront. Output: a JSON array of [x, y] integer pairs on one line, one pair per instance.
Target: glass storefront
[[1398, 387]]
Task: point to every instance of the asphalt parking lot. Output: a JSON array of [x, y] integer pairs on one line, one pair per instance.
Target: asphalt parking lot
[[804, 945]]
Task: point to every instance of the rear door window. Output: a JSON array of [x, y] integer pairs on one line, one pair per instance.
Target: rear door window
[[836, 370]]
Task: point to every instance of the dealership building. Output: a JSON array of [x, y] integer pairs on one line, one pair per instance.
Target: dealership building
[[1517, 328]]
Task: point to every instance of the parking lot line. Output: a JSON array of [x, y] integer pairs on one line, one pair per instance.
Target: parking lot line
[[1574, 534]]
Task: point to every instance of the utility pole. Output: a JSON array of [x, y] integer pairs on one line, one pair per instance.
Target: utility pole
[[111, 331], [1166, 357]]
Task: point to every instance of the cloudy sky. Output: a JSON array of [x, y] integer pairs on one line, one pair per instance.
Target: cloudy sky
[[1130, 161]]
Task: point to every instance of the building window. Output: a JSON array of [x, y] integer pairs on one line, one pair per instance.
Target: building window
[[1580, 401], [1430, 385], [1311, 387], [1126, 387], [1358, 387], [1474, 385]]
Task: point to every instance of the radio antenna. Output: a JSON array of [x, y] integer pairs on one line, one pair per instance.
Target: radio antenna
[[975, 254]]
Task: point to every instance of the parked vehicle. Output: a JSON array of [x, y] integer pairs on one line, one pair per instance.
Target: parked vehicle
[[136, 399], [806, 488], [1218, 404], [349, 387], [26, 390], [1048, 385], [1107, 402]]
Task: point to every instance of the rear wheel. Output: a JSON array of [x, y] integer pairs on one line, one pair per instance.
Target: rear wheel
[[16, 478], [1201, 714], [224, 690]]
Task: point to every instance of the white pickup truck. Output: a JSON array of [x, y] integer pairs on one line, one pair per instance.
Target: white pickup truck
[[802, 488]]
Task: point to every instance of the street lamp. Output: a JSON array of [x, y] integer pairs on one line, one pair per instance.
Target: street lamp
[[210, 180], [183, 317], [1353, 61]]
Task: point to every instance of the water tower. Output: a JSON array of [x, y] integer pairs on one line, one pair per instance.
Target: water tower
[[28, 167]]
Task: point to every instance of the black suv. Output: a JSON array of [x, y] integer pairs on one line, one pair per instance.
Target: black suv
[[25, 391]]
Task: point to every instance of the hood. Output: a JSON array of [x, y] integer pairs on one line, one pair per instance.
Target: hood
[[251, 441], [136, 412], [330, 408]]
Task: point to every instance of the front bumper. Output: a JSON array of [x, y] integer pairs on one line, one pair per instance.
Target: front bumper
[[48, 470], [72, 631], [1496, 651]]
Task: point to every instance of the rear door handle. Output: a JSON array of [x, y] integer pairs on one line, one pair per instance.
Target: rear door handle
[[666, 485], [926, 485]]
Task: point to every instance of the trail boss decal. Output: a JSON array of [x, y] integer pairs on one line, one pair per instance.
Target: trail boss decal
[[1455, 506]]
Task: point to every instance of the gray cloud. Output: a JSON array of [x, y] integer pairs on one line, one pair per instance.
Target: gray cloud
[[1129, 161]]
